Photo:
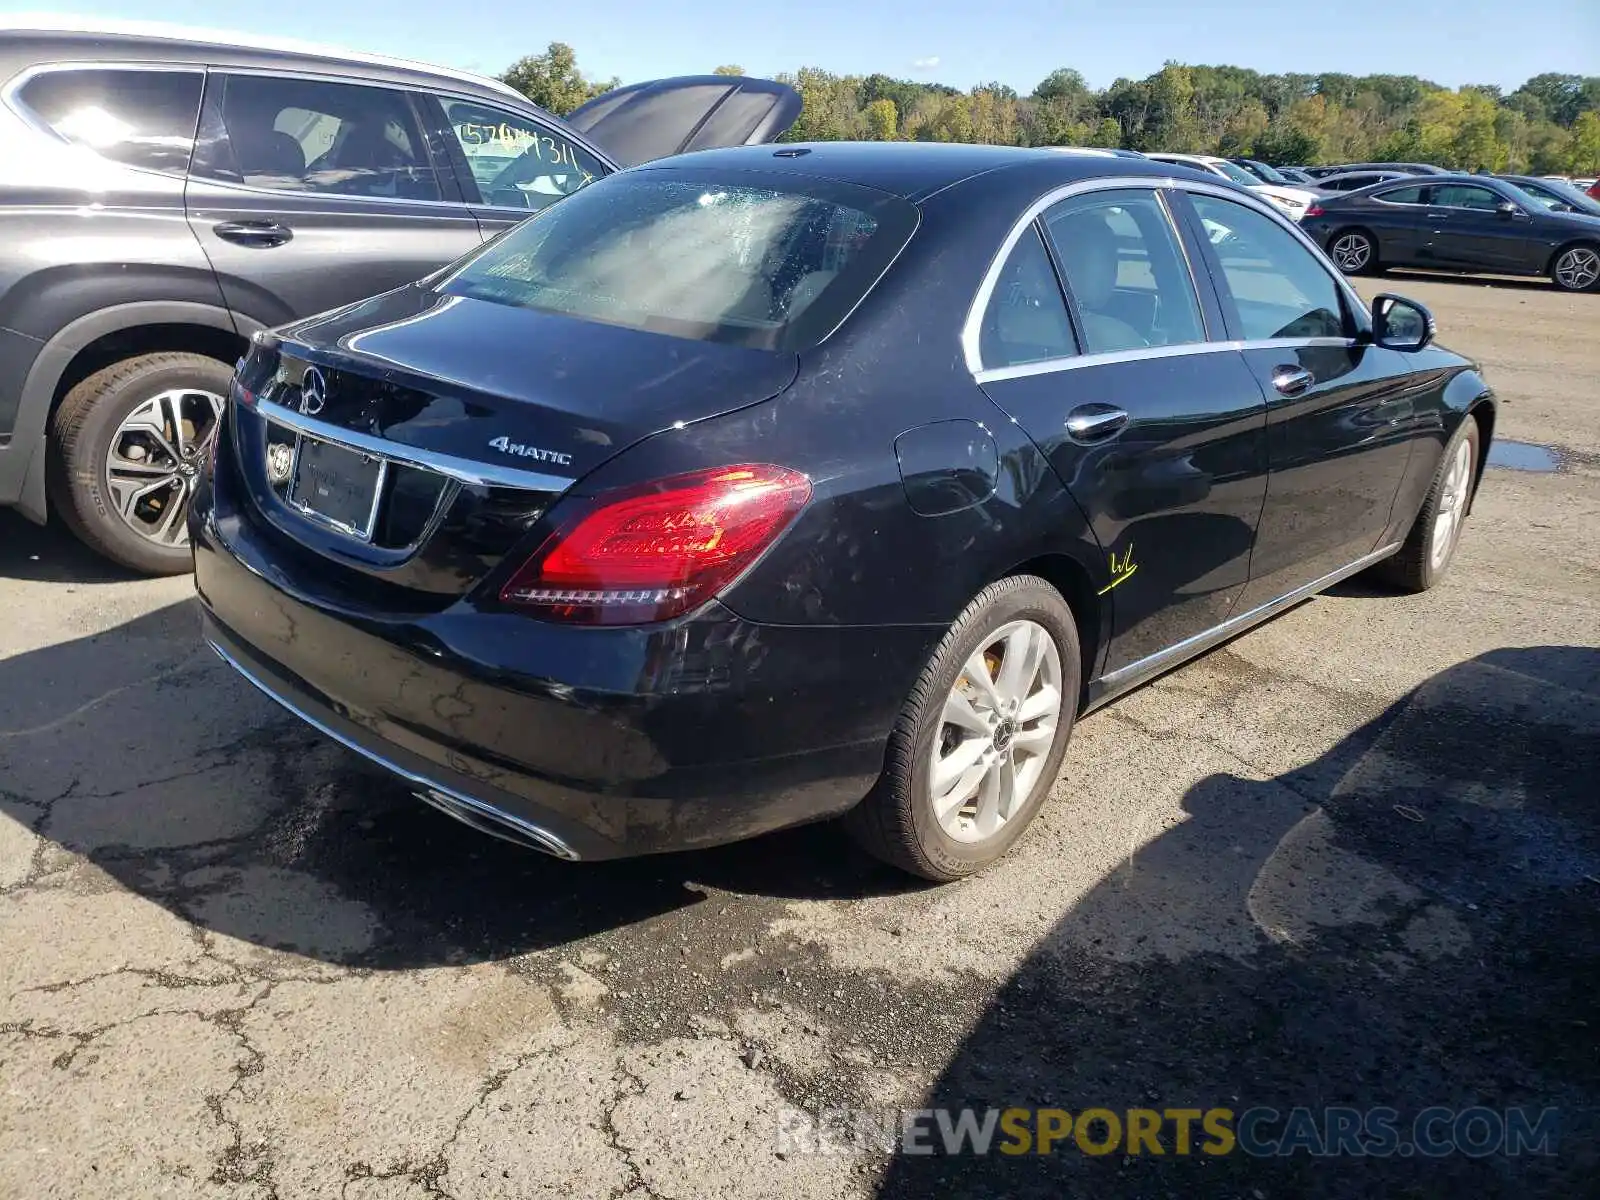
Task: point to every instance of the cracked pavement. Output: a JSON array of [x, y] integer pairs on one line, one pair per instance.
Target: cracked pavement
[[1351, 858]]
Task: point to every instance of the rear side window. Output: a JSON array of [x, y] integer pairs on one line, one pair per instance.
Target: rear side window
[[1278, 287], [143, 118], [1026, 320], [1126, 273], [737, 259], [306, 135], [517, 162], [1401, 195]]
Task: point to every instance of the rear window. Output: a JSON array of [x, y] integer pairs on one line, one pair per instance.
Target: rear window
[[763, 261], [145, 118]]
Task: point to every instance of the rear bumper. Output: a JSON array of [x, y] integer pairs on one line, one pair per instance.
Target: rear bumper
[[586, 743]]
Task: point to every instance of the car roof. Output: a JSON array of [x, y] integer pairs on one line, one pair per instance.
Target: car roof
[[96, 31], [912, 170]]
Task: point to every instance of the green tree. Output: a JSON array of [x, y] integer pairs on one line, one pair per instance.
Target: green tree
[[883, 120], [1584, 157], [552, 79], [729, 69], [1107, 135]]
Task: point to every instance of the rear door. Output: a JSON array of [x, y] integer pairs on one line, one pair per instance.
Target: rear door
[[1468, 230], [1398, 218], [1338, 408], [1154, 424], [310, 192]]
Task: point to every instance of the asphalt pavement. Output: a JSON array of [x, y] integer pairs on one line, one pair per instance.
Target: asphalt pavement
[[1350, 860]]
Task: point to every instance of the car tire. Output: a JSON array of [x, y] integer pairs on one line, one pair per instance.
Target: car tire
[[1576, 268], [1430, 546], [158, 411], [901, 821], [1354, 252]]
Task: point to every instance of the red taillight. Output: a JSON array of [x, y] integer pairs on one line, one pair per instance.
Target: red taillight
[[1316, 210], [654, 552]]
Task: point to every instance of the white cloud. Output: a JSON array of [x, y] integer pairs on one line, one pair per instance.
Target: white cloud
[[925, 64]]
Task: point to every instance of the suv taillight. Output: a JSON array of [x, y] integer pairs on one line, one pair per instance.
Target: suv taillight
[[656, 551]]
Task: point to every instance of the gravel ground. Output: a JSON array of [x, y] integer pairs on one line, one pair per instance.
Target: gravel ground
[[1349, 859]]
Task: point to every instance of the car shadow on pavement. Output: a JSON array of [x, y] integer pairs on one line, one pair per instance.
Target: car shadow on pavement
[[1526, 283], [1411, 920], [50, 554], [138, 750]]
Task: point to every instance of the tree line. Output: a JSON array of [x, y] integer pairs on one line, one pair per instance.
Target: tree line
[[1549, 125]]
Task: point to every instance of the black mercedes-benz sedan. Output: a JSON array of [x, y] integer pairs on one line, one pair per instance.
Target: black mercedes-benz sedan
[[754, 487], [1469, 223]]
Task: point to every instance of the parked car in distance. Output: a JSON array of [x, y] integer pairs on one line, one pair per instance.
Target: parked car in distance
[[1351, 181], [1096, 151], [1265, 173], [1407, 168], [1291, 200], [137, 255], [1471, 223], [743, 485], [1592, 186], [1555, 194], [1296, 176]]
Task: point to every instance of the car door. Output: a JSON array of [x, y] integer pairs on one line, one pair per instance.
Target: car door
[[1154, 424], [1338, 409], [1469, 230], [309, 192], [1398, 218]]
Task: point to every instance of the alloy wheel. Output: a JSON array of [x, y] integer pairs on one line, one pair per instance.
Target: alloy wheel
[[154, 462], [1578, 269], [1351, 253], [998, 725], [1452, 505]]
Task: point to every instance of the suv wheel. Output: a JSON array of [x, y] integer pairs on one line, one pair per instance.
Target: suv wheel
[[128, 445]]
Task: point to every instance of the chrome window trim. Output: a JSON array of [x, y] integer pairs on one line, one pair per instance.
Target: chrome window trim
[[11, 97], [462, 470], [972, 327]]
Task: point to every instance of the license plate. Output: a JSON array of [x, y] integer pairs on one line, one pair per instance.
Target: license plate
[[337, 486]]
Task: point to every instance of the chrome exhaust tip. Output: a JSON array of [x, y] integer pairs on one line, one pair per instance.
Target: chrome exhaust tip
[[492, 821]]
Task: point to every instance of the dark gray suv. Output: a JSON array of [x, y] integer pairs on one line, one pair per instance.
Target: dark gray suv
[[166, 196]]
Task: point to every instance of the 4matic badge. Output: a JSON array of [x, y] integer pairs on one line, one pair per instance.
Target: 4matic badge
[[506, 446]]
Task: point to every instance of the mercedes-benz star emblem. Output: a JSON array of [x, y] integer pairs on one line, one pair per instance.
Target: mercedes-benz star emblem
[[313, 392]]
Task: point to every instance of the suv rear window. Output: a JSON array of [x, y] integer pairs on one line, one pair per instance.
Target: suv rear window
[[753, 260], [143, 118]]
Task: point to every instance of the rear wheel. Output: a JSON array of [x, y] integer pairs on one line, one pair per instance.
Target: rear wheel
[[1431, 544], [1353, 251], [1576, 269], [128, 444], [980, 741]]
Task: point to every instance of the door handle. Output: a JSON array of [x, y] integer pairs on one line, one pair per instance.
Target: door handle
[[253, 233], [1292, 381], [1095, 422]]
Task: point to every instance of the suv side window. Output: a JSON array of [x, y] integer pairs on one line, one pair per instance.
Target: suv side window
[[310, 135], [144, 118], [1026, 320], [1125, 270], [515, 161], [1279, 288]]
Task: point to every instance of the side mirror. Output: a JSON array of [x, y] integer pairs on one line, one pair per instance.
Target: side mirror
[[1507, 210], [1400, 324]]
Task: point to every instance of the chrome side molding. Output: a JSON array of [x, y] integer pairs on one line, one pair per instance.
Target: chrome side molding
[[1125, 679]]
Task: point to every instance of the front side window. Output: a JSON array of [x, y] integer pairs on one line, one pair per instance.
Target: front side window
[[306, 135], [1402, 195], [1466, 195], [1026, 318], [1279, 288], [143, 118], [1125, 271], [515, 161], [732, 258]]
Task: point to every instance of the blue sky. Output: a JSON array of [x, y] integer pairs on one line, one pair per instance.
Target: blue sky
[[960, 42]]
